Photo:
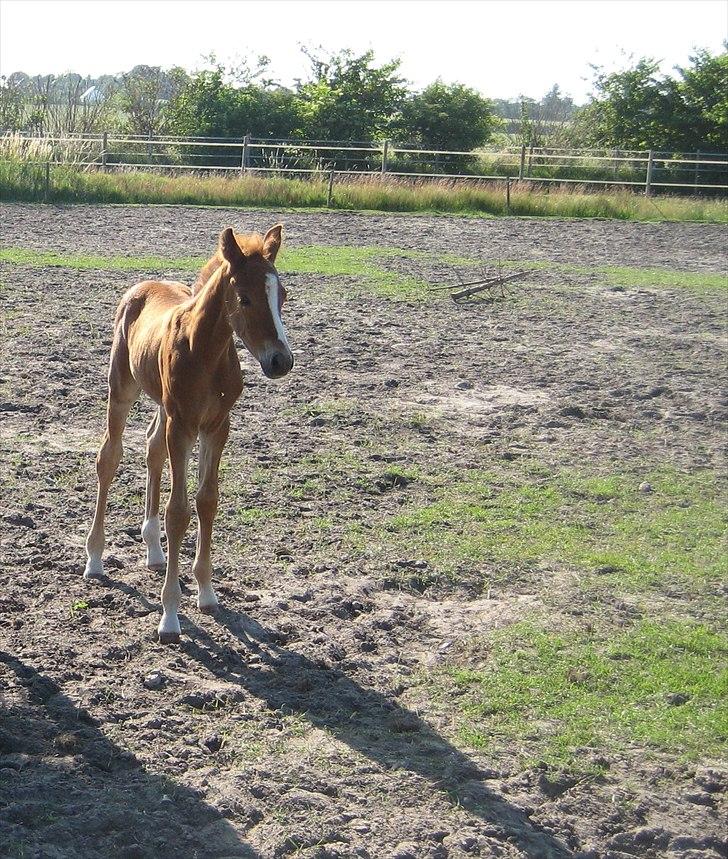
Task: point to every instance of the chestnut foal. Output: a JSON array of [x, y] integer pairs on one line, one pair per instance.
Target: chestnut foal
[[176, 344]]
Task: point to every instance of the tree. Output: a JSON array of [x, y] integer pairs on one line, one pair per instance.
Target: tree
[[449, 116], [208, 106], [144, 92], [634, 109], [348, 97], [704, 94], [244, 71], [201, 107], [12, 104], [46, 104], [640, 109], [546, 122]]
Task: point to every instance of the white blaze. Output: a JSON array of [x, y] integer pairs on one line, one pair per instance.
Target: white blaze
[[272, 285]]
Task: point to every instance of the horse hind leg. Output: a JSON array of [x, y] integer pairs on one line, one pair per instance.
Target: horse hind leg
[[123, 391], [156, 456]]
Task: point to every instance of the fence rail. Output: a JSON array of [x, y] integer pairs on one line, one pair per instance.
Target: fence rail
[[647, 170]]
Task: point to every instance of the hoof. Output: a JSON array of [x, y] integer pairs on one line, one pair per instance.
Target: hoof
[[157, 568], [168, 629], [207, 601], [211, 608], [94, 569]]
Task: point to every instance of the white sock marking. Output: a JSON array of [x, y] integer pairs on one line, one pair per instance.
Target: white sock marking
[[206, 597], [151, 534], [94, 567], [171, 598], [169, 623]]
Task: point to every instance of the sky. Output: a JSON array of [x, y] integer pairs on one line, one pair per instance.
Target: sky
[[502, 48]]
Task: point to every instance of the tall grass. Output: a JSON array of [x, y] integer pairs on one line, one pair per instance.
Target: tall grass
[[18, 149], [25, 179]]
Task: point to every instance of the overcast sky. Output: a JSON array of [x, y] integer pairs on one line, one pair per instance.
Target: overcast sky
[[501, 48]]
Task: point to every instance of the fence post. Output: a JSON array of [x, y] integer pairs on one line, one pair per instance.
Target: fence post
[[104, 147], [650, 167], [149, 148], [384, 156], [530, 156], [47, 181], [508, 194], [331, 190], [244, 156], [523, 161], [697, 167]]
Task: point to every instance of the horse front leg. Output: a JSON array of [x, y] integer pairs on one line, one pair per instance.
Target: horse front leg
[[211, 447], [176, 519]]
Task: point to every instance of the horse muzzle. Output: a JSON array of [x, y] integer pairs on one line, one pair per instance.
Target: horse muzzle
[[277, 364]]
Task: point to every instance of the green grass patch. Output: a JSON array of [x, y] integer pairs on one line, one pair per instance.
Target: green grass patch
[[338, 407], [645, 278], [363, 263], [86, 262], [602, 528], [251, 515], [651, 278], [660, 685], [313, 259], [359, 262]]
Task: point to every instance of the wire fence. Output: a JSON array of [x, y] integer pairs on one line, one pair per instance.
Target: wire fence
[[645, 170]]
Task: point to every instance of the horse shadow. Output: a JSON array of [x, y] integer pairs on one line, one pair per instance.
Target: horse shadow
[[66, 790], [365, 720]]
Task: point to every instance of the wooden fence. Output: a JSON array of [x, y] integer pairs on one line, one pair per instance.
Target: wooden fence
[[646, 171]]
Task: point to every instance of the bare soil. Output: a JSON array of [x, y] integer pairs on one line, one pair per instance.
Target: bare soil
[[292, 724]]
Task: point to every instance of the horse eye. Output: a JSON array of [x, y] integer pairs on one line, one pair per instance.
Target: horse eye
[[244, 300]]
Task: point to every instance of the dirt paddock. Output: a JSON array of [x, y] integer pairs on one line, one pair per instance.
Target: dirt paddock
[[298, 721]]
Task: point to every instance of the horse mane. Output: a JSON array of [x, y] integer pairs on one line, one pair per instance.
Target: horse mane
[[250, 245]]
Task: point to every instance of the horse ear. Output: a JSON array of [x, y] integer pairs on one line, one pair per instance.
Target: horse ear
[[230, 249], [272, 242]]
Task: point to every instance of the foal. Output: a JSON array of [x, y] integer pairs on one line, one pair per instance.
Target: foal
[[176, 344]]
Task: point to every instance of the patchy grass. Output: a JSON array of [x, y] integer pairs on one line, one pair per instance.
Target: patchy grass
[[362, 263], [602, 528], [565, 695], [359, 262], [650, 278], [645, 278], [86, 262]]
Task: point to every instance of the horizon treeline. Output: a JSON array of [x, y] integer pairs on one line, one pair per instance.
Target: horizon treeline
[[351, 97]]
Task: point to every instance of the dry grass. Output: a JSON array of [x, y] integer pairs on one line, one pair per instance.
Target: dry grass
[[16, 149], [23, 177]]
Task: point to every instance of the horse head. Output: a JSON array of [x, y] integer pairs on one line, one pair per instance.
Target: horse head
[[257, 298]]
